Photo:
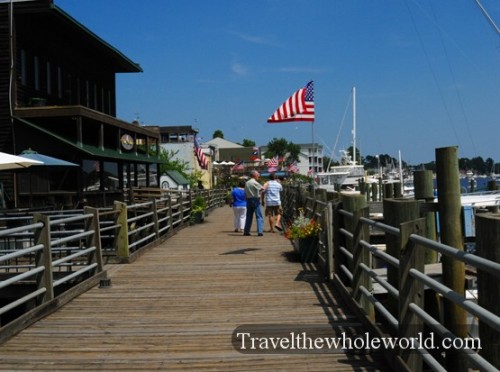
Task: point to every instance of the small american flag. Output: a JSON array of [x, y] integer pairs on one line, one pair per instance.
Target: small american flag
[[293, 168], [238, 166], [274, 162], [202, 159], [299, 107]]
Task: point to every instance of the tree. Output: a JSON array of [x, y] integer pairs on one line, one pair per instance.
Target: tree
[[218, 134], [282, 148], [169, 162], [328, 162], [248, 143]]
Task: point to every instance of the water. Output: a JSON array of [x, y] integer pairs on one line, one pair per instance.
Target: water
[[480, 184]]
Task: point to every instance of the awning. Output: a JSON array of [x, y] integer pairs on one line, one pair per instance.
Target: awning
[[9, 161], [47, 161], [95, 151]]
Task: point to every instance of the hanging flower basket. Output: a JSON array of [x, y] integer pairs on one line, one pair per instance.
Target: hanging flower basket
[[308, 249], [303, 233]]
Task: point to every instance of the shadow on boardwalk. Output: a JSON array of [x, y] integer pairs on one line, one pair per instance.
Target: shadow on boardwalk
[[176, 307]]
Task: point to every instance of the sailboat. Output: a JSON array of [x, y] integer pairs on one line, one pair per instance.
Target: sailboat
[[348, 173]]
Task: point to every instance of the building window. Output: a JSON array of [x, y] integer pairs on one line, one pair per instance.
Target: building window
[[95, 106], [91, 175], [87, 93], [111, 176], [103, 100], [49, 79], [36, 72], [59, 82], [24, 74]]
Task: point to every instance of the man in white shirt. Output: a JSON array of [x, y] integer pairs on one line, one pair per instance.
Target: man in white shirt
[[271, 199]]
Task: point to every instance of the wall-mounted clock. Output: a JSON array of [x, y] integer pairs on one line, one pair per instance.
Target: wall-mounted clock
[[127, 142]]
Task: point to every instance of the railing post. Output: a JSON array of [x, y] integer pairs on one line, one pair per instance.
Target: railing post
[[329, 239], [488, 286], [95, 239], [42, 236], [121, 239], [170, 213], [180, 201], [411, 291], [361, 255], [338, 241], [154, 209], [396, 212]]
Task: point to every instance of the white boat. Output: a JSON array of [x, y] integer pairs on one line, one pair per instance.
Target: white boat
[[348, 173], [481, 199]]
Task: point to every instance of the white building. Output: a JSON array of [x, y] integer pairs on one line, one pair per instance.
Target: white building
[[310, 156]]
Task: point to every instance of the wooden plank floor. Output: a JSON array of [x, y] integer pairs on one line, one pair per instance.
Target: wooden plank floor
[[175, 308]]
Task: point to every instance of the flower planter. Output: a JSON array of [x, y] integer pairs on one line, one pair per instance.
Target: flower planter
[[308, 249], [198, 217]]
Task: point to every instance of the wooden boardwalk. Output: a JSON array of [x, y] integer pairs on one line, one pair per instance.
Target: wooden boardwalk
[[176, 306]]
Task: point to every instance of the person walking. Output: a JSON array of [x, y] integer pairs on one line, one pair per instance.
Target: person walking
[[271, 200], [239, 204], [253, 192]]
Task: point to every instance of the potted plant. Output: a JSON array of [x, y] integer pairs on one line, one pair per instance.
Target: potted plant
[[198, 207], [303, 233]]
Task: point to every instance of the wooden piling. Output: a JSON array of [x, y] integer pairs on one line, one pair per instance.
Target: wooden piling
[[488, 246], [449, 207], [398, 190], [388, 190], [424, 190], [375, 192], [492, 185]]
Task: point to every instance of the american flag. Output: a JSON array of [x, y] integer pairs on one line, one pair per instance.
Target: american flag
[[293, 167], [238, 166], [202, 159], [274, 162], [299, 107], [255, 154]]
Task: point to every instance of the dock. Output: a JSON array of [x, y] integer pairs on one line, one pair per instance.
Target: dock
[[177, 305]]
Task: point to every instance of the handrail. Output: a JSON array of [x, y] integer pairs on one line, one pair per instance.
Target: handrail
[[347, 234], [52, 249]]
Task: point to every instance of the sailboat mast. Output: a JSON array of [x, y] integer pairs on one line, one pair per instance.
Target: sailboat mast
[[354, 125]]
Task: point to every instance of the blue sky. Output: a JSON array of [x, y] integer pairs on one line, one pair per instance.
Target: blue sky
[[426, 72]]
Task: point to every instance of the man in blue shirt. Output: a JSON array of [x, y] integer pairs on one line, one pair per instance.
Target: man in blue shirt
[[252, 192]]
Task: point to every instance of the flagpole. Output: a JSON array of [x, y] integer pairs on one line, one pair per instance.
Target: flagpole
[[314, 159]]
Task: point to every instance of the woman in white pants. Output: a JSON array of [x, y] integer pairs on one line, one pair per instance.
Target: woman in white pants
[[239, 204]]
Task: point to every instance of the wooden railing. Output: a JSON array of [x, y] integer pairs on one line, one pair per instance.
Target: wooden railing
[[392, 288], [51, 257], [49, 264]]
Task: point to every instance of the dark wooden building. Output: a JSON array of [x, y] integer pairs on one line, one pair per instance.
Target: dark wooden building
[[58, 97]]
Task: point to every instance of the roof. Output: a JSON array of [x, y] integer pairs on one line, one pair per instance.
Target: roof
[[94, 150], [44, 13], [221, 143], [177, 177]]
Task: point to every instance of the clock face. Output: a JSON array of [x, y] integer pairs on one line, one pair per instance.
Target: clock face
[[127, 142]]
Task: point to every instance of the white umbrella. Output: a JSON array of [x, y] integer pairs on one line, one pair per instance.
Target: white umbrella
[[223, 162], [230, 163], [8, 161]]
